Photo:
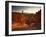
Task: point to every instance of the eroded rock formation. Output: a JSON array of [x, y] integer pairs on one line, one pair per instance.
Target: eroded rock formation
[[26, 21]]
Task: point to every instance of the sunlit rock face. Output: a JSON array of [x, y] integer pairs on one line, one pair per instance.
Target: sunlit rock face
[[24, 21]]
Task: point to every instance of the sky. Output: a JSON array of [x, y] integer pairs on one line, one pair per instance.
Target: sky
[[25, 9]]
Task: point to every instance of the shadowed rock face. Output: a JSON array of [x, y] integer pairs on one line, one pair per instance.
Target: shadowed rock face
[[26, 21]]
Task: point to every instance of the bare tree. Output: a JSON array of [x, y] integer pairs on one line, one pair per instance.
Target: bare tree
[[22, 11]]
